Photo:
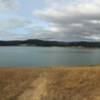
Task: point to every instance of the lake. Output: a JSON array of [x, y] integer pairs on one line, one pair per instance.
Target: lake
[[47, 56]]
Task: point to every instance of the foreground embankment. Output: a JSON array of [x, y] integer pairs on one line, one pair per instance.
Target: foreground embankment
[[53, 83]]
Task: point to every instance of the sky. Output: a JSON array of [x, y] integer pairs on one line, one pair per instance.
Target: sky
[[60, 20]]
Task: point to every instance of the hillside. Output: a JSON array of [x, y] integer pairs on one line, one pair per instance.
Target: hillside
[[37, 42]]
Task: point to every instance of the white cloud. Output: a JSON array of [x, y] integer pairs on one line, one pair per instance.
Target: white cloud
[[94, 21], [76, 25], [93, 37]]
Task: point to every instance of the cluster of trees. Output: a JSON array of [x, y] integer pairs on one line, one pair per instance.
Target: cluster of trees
[[37, 42]]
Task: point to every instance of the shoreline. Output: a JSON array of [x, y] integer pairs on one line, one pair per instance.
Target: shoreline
[[48, 67]]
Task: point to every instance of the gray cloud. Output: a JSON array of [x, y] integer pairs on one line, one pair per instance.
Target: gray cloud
[[15, 22], [80, 20], [6, 5]]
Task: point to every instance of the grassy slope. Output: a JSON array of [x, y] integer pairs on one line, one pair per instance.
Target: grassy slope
[[50, 83]]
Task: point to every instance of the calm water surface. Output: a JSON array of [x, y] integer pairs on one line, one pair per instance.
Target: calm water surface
[[47, 56]]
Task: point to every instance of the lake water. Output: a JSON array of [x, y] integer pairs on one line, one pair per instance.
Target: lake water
[[47, 56]]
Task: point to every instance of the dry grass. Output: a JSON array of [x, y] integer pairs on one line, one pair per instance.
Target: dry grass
[[78, 83], [14, 81]]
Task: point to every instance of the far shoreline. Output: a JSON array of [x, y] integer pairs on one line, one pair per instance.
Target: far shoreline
[[50, 46]]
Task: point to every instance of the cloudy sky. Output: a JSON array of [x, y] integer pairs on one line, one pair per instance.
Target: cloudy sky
[[62, 20]]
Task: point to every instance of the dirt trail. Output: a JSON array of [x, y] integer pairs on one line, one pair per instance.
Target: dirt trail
[[36, 90]]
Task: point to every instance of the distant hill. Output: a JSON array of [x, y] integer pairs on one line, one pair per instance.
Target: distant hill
[[37, 42]]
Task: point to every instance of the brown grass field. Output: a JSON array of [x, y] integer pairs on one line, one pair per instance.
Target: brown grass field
[[53, 83]]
